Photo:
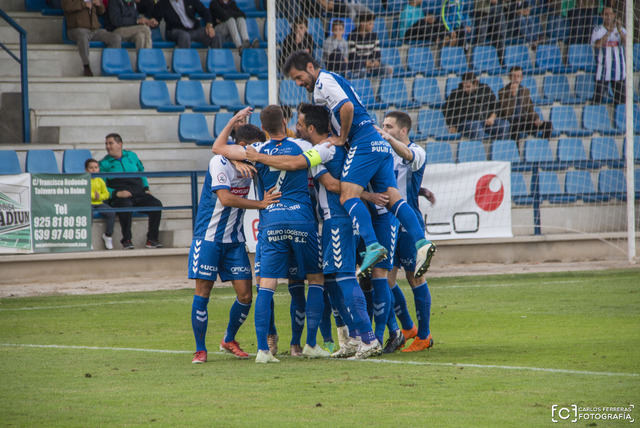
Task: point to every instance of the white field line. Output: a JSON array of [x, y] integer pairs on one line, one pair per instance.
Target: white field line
[[377, 361]]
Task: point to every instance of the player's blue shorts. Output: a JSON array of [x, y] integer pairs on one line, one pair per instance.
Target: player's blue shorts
[[298, 243], [370, 163], [338, 246], [405, 256], [209, 259], [293, 267]]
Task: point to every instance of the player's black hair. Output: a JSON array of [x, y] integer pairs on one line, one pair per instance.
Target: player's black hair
[[249, 134], [115, 136], [469, 76], [300, 20], [402, 119], [299, 61], [515, 68], [271, 117], [365, 16], [337, 22], [88, 161], [317, 116]]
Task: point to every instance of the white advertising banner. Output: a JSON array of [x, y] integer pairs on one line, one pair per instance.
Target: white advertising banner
[[15, 214]]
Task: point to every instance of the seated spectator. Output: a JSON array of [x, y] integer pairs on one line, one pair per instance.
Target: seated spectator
[[298, 39], [472, 108], [336, 49], [182, 24], [521, 23], [581, 21], [364, 49], [489, 21], [125, 21], [99, 196], [83, 26], [130, 191], [458, 25], [232, 23], [413, 25], [516, 107], [608, 42]]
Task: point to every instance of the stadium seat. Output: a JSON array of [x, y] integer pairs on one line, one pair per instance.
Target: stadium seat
[[636, 150], [431, 123], [438, 152], [584, 87], [427, 92], [494, 82], [187, 63], [518, 55], [612, 184], [158, 42], [556, 88], [580, 185], [73, 160], [451, 84], [391, 58], [316, 29], [35, 5], [557, 30], [485, 60], [9, 163], [254, 62], [254, 119], [453, 60], [41, 161], [564, 121], [221, 121], [189, 93], [636, 56], [256, 93], [283, 28], [549, 58], [250, 10], [530, 83], [364, 89], [596, 119], [505, 150], [471, 151], [224, 93], [604, 151], [581, 58], [115, 62], [393, 91], [420, 61], [152, 63], [571, 151], [395, 7], [550, 190], [380, 28], [221, 63], [192, 128], [621, 118], [374, 5], [253, 30], [538, 151], [519, 190], [154, 94], [291, 94]]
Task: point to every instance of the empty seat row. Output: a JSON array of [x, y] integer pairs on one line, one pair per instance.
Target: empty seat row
[[193, 127], [44, 161]]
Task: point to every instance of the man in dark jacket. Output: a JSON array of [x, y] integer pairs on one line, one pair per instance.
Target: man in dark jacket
[[129, 191], [472, 110], [182, 24], [124, 20], [230, 23]]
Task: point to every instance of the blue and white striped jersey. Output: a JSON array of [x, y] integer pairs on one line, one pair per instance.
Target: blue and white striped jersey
[[332, 160], [215, 222], [409, 177], [610, 58]]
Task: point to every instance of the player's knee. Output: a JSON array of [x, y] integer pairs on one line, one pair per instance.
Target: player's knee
[[244, 297]]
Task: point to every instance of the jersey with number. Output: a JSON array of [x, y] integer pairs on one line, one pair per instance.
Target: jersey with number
[[295, 203], [332, 91], [409, 175], [332, 160], [214, 221]]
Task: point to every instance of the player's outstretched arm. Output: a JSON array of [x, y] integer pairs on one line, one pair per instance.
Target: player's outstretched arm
[[231, 151], [346, 120], [401, 149], [228, 199], [281, 162]]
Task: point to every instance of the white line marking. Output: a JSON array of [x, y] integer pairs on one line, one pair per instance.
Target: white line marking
[[518, 284], [378, 361]]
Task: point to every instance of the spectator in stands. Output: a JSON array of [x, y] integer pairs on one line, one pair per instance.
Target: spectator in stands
[[608, 41], [230, 23], [458, 24], [146, 7], [364, 49], [489, 19], [326, 8], [336, 49], [99, 196], [130, 191], [522, 24], [472, 110], [182, 24], [297, 40], [580, 21], [125, 21], [414, 25], [83, 26], [516, 107]]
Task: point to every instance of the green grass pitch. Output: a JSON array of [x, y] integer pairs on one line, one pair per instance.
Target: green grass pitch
[[507, 348]]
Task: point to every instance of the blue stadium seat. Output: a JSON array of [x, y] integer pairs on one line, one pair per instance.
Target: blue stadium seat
[[571, 150], [221, 121], [471, 151], [519, 190], [291, 94], [364, 89], [375, 6], [453, 60], [393, 91], [518, 55], [557, 29], [550, 189], [154, 94], [9, 163], [253, 30], [192, 128], [224, 93], [605, 151], [621, 118], [485, 60], [564, 121], [581, 58], [580, 185], [254, 62], [115, 62], [380, 28], [256, 93], [158, 42], [391, 57], [431, 123], [73, 160], [494, 82], [612, 184], [556, 88], [438, 152], [41, 161], [584, 87], [189, 93], [539, 151], [505, 150], [549, 58], [283, 28], [636, 56], [254, 119], [427, 92], [596, 119], [451, 84], [187, 63], [420, 61], [530, 83], [152, 63], [221, 63], [249, 8], [636, 150], [316, 29], [35, 5]]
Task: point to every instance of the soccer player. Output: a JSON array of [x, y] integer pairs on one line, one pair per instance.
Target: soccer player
[[369, 158], [218, 245], [287, 228], [409, 166]]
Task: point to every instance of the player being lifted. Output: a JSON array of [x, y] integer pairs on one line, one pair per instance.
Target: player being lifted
[[218, 245], [287, 228], [369, 158]]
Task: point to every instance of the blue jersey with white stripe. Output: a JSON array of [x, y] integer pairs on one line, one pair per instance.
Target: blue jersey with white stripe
[[332, 161], [332, 91], [409, 177], [214, 221]]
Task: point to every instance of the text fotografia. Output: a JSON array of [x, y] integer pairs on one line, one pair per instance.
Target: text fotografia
[[574, 413]]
